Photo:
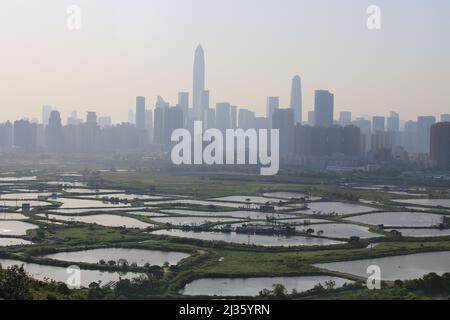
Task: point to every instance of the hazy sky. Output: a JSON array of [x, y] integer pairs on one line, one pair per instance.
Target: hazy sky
[[253, 48]]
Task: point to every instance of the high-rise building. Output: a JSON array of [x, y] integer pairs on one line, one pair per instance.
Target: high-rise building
[[149, 124], [409, 137], [311, 118], [6, 136], [378, 124], [261, 123], [273, 103], [324, 108], [352, 142], [283, 120], [246, 119], [393, 122], [161, 103], [183, 100], [54, 133], [173, 120], [211, 119], [234, 117], [223, 116], [345, 118], [440, 145], [204, 106], [104, 122], [73, 119], [158, 125], [445, 117], [183, 103], [296, 99], [25, 134], [46, 114], [91, 118], [140, 113], [199, 82], [423, 133], [393, 128], [166, 120], [366, 131], [328, 141], [131, 117], [89, 133]]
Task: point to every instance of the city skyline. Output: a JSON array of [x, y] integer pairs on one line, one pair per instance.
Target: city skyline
[[323, 108], [146, 49]]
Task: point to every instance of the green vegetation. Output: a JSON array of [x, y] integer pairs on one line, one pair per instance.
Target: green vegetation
[[219, 259]]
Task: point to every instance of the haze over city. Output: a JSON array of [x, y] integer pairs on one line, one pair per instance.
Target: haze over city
[[199, 153], [252, 51]]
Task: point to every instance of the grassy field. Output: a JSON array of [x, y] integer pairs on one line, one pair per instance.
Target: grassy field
[[233, 262], [211, 186], [220, 259]]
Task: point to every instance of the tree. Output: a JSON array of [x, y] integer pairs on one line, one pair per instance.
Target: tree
[[330, 285], [14, 284], [112, 263], [279, 291], [123, 263]]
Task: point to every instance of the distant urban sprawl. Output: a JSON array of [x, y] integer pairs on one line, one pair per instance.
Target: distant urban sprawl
[[322, 140]]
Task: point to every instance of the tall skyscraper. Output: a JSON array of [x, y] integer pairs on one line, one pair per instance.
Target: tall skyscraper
[[91, 118], [54, 132], [296, 99], [46, 114], [205, 105], [158, 124], [223, 116], [25, 134], [409, 137], [283, 119], [183, 103], [211, 119], [366, 129], [311, 118], [234, 117], [246, 119], [199, 82], [324, 108], [261, 123], [183, 100], [378, 124], [440, 145], [345, 118], [273, 103], [173, 119], [6, 136], [140, 113], [393, 122], [149, 124], [423, 133]]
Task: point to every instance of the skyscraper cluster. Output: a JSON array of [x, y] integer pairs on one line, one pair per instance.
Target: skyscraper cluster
[[322, 137]]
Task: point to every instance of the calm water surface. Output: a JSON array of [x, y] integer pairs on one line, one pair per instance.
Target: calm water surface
[[139, 256], [252, 286], [396, 268]]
